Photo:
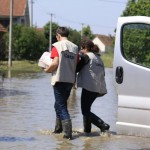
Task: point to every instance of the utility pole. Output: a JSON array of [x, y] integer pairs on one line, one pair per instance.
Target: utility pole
[[82, 31], [10, 33], [50, 31], [31, 20]]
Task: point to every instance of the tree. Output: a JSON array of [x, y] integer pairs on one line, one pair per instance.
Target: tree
[[137, 8], [136, 46], [136, 37], [47, 30], [74, 35], [87, 33], [28, 43]]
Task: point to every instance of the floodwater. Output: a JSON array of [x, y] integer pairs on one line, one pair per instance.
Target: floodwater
[[27, 117]]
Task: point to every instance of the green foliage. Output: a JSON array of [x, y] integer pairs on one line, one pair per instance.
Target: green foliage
[[136, 37], [108, 59], [87, 33], [137, 8], [74, 36], [47, 32], [28, 43], [136, 45]]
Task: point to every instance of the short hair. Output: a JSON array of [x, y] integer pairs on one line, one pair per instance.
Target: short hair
[[63, 31]]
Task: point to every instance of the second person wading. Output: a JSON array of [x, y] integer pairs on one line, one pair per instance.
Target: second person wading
[[91, 78]]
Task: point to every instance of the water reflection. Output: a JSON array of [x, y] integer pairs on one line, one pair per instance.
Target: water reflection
[[14, 139], [27, 117], [10, 92]]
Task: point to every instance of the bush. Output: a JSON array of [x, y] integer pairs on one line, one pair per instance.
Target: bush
[[28, 43]]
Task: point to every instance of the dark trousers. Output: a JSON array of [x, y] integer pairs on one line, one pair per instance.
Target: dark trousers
[[87, 99], [62, 92]]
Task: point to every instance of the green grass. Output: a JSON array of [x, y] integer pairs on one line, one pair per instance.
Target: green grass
[[32, 66], [108, 59], [25, 66]]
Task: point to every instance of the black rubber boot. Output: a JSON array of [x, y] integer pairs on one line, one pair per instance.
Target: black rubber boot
[[99, 123], [58, 126], [87, 124], [67, 129]]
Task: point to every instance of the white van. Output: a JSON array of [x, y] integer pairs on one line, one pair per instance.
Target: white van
[[132, 75]]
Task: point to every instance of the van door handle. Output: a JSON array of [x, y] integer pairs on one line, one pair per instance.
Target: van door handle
[[119, 74]]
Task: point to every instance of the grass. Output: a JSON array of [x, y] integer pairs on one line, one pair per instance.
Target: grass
[[32, 66], [25, 66], [108, 59]]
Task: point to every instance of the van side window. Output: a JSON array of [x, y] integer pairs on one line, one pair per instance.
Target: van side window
[[136, 43]]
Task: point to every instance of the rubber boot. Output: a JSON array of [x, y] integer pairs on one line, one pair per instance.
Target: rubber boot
[[99, 123], [67, 129], [87, 124], [58, 126]]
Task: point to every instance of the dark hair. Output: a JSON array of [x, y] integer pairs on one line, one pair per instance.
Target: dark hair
[[95, 49], [63, 31], [90, 46]]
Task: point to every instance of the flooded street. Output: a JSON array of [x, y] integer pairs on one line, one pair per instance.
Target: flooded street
[[27, 118]]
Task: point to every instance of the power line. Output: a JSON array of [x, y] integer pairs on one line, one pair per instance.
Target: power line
[[68, 20], [91, 25], [74, 22]]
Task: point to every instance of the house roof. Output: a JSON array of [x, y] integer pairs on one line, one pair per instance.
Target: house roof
[[40, 29], [19, 7], [2, 28], [106, 40]]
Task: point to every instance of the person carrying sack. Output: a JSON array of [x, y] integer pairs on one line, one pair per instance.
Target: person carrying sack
[[63, 69]]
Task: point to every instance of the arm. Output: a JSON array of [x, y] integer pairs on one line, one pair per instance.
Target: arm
[[53, 65], [84, 59]]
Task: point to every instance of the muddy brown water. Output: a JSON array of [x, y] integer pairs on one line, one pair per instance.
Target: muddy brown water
[[27, 117]]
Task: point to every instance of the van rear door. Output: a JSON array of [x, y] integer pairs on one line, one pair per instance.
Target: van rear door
[[132, 75]]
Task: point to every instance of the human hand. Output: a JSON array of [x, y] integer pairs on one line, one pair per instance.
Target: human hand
[[45, 69]]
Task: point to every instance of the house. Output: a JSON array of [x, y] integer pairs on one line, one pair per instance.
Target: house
[[103, 42], [20, 12]]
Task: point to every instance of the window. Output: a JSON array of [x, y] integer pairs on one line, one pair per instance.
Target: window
[[136, 43]]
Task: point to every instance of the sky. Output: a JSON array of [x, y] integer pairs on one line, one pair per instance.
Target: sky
[[100, 15]]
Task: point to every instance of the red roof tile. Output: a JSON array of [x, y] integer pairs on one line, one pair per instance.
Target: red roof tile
[[19, 7]]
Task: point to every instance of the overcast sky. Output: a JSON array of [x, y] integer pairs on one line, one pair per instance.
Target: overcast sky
[[100, 15]]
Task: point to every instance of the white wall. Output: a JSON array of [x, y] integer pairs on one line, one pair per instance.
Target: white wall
[[101, 46]]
